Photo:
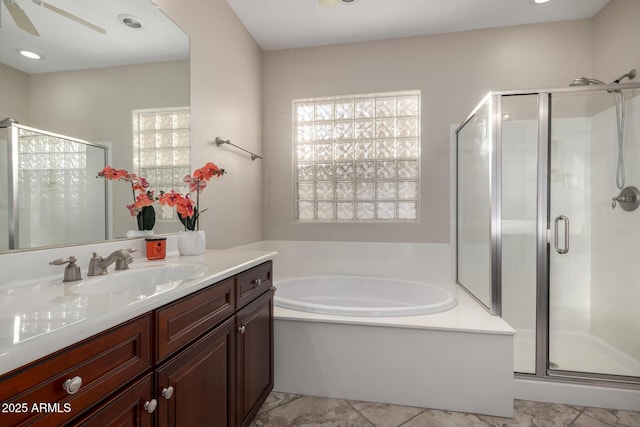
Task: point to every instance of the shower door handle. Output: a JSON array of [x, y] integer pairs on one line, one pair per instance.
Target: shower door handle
[[566, 234]]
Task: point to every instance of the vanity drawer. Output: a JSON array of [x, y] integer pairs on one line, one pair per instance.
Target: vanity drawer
[[253, 283], [105, 363], [126, 408], [181, 322]]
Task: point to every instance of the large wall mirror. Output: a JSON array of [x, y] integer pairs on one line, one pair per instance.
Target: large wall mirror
[[100, 62]]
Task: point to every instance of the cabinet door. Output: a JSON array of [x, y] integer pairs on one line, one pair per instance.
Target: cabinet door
[[254, 331], [130, 408], [202, 384]]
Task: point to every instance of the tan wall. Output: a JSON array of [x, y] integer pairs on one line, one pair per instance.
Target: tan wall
[[616, 40], [453, 71], [14, 94], [225, 102]]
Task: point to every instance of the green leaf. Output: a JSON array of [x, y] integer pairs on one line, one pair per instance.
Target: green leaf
[[189, 222]]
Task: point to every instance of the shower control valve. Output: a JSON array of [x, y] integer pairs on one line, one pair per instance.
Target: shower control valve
[[621, 199], [629, 199]]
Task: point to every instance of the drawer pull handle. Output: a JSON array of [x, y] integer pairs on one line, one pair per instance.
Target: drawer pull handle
[[150, 405], [258, 282], [72, 385], [167, 392], [242, 329]]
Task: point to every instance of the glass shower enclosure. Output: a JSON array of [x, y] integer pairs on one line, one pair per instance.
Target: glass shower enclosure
[[547, 234], [49, 194]]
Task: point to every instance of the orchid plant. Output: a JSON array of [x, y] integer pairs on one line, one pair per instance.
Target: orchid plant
[[143, 198], [188, 211]]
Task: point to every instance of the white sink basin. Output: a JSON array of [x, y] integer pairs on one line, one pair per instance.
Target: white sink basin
[[159, 277]]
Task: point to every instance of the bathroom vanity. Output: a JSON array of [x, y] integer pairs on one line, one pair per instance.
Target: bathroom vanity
[[198, 355]]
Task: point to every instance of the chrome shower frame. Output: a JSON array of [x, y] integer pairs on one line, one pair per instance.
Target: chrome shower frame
[[543, 226], [12, 153]]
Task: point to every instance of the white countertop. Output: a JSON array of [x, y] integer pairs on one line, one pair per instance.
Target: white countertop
[[43, 316]]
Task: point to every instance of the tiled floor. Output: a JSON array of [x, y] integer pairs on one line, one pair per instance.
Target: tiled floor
[[285, 410]]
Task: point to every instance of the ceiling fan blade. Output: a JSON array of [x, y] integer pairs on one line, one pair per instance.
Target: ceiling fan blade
[[20, 18], [70, 16]]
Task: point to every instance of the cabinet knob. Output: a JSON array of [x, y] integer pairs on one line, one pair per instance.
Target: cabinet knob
[[241, 329], [167, 392], [72, 385], [150, 405], [258, 282]]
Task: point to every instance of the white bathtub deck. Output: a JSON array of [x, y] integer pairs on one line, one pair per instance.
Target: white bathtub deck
[[459, 360], [466, 316]]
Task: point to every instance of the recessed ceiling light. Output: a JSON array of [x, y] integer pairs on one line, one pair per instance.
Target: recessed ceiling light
[[539, 1], [327, 3], [29, 54], [331, 3], [130, 21]]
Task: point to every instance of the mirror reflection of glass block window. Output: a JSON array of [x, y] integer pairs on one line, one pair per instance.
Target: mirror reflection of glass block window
[[357, 158], [162, 151], [58, 165]]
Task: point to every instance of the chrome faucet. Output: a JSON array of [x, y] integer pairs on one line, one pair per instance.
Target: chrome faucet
[[98, 265]]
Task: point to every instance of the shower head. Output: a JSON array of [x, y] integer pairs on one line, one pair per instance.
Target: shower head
[[630, 75], [585, 81]]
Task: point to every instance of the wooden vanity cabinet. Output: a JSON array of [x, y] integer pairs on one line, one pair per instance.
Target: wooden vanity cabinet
[[203, 360], [253, 283], [196, 387], [254, 356], [220, 378], [182, 321], [129, 408], [61, 386]]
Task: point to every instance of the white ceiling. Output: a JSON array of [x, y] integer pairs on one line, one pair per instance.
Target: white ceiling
[[68, 45], [275, 24], [284, 24]]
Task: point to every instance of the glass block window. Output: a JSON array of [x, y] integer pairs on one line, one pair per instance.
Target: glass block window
[[162, 150], [52, 172], [356, 158], [40, 151]]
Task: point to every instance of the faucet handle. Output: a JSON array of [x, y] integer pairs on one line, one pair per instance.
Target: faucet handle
[[71, 260], [72, 271], [123, 263]]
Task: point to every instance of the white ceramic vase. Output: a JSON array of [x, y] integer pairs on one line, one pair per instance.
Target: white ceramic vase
[[191, 242]]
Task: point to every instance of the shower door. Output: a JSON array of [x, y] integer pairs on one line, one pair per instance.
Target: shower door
[[48, 191], [594, 246]]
